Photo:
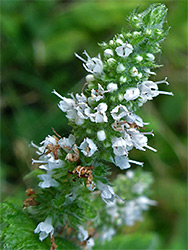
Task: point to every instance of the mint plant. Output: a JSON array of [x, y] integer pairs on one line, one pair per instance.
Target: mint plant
[[74, 172]]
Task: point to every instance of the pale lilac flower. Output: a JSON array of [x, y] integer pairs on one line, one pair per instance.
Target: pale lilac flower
[[45, 228], [124, 50], [131, 94], [88, 147]]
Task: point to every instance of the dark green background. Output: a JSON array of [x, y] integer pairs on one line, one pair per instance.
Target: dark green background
[[39, 39]]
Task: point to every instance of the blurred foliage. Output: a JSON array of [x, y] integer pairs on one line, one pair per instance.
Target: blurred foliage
[[39, 39]]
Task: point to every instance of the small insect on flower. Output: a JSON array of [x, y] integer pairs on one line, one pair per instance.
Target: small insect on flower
[[84, 172]]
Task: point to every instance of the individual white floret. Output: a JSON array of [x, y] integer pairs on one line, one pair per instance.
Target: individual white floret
[[100, 115], [88, 147], [67, 143], [83, 236], [120, 68], [124, 50], [45, 228], [93, 65], [131, 94], [149, 89], [134, 71], [112, 87], [108, 53], [139, 140], [107, 192], [47, 181], [119, 146], [101, 135], [119, 112]]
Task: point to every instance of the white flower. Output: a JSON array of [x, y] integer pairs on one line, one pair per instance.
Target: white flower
[[108, 53], [150, 56], [149, 89], [51, 164], [97, 95], [93, 65], [119, 146], [119, 112], [130, 174], [67, 143], [148, 71], [134, 71], [132, 118], [83, 236], [111, 61], [48, 181], [131, 212], [123, 162], [45, 228], [119, 41], [107, 192], [100, 116], [88, 147], [112, 87], [139, 140], [144, 202], [90, 78], [122, 79], [139, 58], [124, 50], [107, 234], [49, 140], [101, 135], [131, 94], [120, 68]]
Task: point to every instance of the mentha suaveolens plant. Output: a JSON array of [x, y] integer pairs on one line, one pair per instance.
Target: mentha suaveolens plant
[[106, 128]]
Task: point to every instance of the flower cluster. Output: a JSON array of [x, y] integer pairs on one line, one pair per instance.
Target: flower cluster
[[106, 128]]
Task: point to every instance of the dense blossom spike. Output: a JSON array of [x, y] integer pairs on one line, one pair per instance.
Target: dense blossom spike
[[106, 129]]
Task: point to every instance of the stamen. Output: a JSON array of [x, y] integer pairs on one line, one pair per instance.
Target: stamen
[[163, 81], [57, 94], [38, 161], [165, 93], [136, 162], [79, 57], [153, 149]]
